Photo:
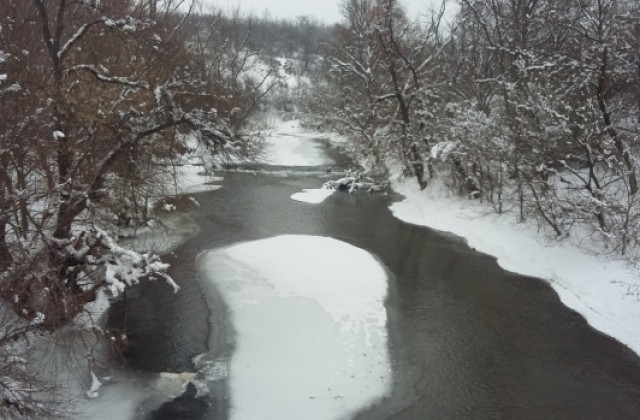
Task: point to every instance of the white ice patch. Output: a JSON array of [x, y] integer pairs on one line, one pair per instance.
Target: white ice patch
[[116, 401], [310, 326], [313, 196], [292, 145], [173, 384], [94, 390]]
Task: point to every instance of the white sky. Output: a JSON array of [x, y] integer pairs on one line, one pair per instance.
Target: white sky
[[324, 10]]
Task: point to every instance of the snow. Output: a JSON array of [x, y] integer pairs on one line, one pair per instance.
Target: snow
[[116, 401], [288, 75], [173, 384], [602, 290], [292, 145], [169, 207], [442, 150], [94, 390], [310, 323], [313, 196], [126, 267]]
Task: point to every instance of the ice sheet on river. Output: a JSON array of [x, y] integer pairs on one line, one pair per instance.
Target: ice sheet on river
[[313, 196], [291, 145], [310, 323]]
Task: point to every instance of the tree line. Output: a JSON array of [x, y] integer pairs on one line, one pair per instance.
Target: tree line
[[531, 105], [97, 98]]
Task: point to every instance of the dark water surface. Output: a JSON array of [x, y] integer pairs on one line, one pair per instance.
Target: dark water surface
[[467, 339]]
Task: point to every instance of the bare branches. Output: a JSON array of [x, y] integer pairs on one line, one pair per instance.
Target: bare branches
[[540, 97], [62, 52], [99, 75], [100, 102]]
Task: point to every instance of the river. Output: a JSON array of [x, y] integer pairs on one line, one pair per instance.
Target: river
[[466, 338]]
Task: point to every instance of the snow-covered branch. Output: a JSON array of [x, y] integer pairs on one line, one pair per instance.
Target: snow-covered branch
[[125, 267], [64, 50], [101, 76]]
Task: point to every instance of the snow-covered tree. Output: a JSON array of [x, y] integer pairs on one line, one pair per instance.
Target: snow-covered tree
[[96, 97], [381, 82], [531, 105]]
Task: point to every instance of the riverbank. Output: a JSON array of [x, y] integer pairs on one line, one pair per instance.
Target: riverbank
[[603, 290], [464, 337], [285, 144], [127, 393]]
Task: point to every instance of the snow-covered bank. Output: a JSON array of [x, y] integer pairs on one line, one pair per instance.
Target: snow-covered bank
[[310, 322], [602, 290], [124, 392]]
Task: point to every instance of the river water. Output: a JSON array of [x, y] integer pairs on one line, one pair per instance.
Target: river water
[[466, 339]]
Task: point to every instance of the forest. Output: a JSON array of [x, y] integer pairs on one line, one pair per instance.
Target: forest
[[529, 106]]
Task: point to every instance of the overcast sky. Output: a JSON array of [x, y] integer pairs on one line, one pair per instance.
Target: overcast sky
[[325, 10]]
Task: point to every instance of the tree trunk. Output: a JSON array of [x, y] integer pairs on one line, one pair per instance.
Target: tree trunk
[[5, 254], [621, 146]]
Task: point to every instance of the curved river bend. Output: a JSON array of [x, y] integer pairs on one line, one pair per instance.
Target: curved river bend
[[466, 339]]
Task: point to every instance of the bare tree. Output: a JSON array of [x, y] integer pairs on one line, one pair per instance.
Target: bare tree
[[383, 69], [96, 95]]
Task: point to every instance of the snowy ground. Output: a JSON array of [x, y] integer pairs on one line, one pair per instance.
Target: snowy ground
[[310, 323], [115, 402], [600, 289]]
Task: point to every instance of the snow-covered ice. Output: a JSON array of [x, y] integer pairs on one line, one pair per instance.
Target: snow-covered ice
[[310, 323], [313, 196], [596, 287], [116, 401], [292, 145]]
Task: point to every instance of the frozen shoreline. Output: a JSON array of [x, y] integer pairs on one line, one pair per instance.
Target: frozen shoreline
[[599, 289]]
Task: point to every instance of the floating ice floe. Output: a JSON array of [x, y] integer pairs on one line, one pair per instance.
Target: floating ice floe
[[313, 196], [310, 324]]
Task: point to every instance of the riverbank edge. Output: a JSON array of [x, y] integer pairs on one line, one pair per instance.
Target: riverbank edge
[[604, 291], [171, 230]]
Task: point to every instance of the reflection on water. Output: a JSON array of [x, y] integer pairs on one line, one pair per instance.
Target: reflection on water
[[468, 340]]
